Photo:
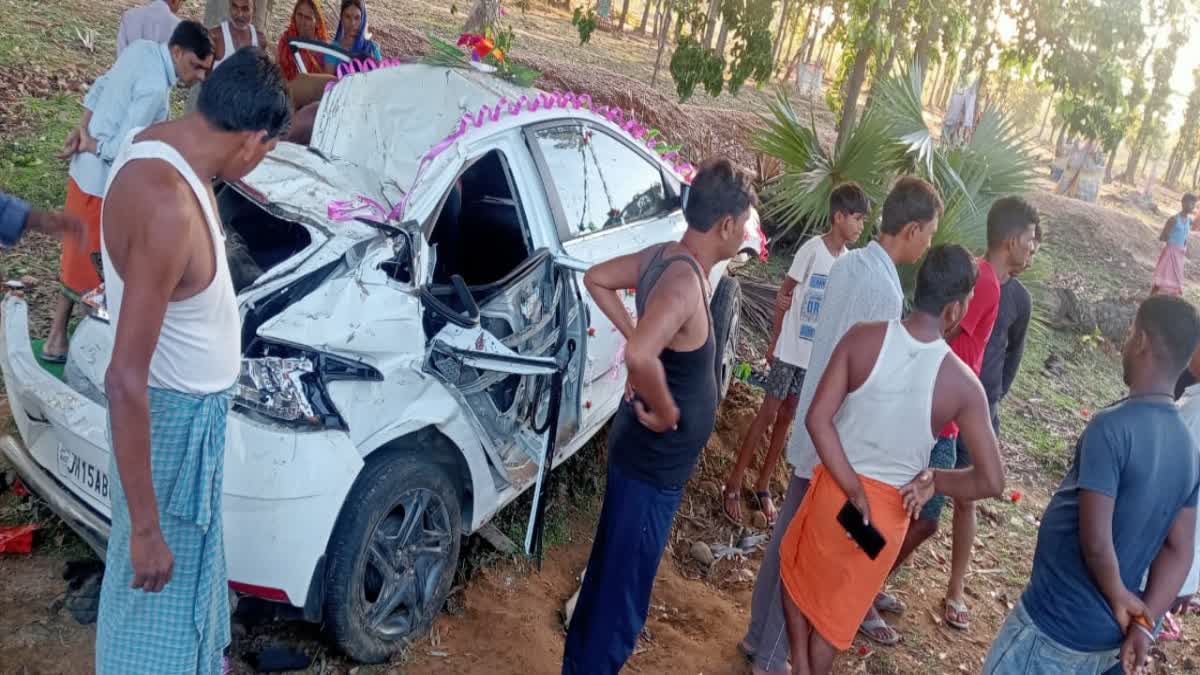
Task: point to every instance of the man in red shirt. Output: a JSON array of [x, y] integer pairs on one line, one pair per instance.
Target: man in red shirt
[[1011, 232]]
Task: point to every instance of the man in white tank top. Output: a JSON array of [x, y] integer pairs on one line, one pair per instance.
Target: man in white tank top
[[235, 32], [164, 600], [888, 388]]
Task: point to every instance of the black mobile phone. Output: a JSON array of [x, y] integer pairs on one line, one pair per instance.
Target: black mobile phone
[[866, 536]]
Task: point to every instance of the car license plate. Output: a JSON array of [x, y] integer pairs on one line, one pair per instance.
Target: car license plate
[[83, 474]]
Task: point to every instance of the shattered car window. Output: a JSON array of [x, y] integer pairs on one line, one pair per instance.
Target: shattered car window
[[601, 183]]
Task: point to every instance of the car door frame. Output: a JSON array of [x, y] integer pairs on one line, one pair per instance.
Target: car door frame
[[513, 158], [604, 381]]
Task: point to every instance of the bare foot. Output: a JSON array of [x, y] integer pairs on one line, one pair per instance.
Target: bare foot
[[731, 505]]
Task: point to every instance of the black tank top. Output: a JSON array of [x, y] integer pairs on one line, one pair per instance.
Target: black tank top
[[667, 459]]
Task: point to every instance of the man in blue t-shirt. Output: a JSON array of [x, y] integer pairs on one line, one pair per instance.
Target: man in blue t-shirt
[[1126, 506]]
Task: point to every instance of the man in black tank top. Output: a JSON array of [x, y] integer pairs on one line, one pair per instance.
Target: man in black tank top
[[667, 416]]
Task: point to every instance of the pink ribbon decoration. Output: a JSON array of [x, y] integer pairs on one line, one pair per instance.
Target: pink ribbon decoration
[[493, 113], [360, 206]]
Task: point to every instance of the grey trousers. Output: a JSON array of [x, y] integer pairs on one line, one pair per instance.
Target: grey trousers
[[767, 639]]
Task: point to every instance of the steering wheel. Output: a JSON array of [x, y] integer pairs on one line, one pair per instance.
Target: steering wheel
[[468, 318]]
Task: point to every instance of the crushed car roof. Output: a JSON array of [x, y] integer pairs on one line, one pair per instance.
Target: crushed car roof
[[386, 119]]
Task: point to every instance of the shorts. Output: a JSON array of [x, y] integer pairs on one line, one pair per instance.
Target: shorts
[[948, 453], [784, 380]]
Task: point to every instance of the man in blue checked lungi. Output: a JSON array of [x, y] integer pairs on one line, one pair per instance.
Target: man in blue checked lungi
[[164, 604]]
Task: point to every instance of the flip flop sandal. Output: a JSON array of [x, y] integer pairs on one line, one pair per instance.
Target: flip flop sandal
[[886, 602], [726, 497], [867, 626], [56, 359], [762, 497], [1171, 630], [952, 611]]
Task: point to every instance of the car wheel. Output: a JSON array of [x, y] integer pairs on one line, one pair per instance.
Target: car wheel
[[392, 556], [727, 318]]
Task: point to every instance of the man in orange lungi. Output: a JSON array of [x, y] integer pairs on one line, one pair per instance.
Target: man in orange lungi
[[887, 390], [134, 93]]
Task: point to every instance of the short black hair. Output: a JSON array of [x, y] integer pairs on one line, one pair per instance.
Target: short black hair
[[192, 36], [947, 275], [718, 189], [850, 199], [912, 200], [246, 92], [1173, 327], [1008, 218], [1188, 202]]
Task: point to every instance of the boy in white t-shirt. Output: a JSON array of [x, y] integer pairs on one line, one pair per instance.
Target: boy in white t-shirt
[[797, 310]]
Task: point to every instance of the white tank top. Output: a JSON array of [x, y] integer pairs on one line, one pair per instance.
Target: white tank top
[[229, 48], [886, 424], [199, 348]]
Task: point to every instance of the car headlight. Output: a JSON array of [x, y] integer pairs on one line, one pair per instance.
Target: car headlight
[[273, 387], [288, 384]]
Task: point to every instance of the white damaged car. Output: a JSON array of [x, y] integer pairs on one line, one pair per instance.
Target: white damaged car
[[410, 287]]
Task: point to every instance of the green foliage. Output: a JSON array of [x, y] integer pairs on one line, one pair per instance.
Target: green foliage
[[1089, 50], [753, 47], [890, 140], [585, 23], [692, 65]]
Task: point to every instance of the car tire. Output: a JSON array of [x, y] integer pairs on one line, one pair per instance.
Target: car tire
[[727, 317], [398, 504]]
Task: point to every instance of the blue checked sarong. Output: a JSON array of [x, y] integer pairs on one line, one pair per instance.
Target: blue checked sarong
[[183, 629]]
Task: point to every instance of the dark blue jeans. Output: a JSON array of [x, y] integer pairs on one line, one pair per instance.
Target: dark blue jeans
[[630, 538]]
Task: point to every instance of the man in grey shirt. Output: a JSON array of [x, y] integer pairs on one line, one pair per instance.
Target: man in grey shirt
[[863, 286]]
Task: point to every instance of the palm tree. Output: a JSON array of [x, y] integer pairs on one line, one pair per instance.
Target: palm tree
[[890, 140]]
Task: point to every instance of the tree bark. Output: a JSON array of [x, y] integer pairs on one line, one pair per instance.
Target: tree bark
[[484, 14], [722, 36], [624, 14], [662, 45], [858, 74], [1046, 116], [784, 20], [812, 23], [710, 29], [645, 17], [895, 24]]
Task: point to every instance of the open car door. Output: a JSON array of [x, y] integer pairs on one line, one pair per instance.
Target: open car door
[[512, 351]]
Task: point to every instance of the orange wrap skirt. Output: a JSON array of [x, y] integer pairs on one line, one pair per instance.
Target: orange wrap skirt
[[77, 271], [830, 579]]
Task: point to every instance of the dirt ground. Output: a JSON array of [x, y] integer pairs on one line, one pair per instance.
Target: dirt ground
[[504, 617]]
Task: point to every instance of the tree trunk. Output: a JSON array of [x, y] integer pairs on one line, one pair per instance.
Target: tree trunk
[[1062, 135], [624, 14], [1046, 116], [721, 37], [812, 23], [784, 20], [710, 29], [484, 14], [1113, 160], [930, 31], [679, 17], [262, 13], [662, 45], [858, 74], [645, 17], [895, 26]]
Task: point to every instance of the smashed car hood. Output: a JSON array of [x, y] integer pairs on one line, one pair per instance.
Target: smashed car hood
[[386, 119]]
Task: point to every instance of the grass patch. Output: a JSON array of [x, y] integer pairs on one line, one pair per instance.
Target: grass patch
[[28, 166], [45, 34]]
